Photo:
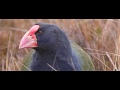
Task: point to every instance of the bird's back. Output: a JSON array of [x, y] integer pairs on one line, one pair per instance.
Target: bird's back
[[84, 59]]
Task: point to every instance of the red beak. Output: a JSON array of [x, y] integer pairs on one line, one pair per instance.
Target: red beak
[[29, 39]]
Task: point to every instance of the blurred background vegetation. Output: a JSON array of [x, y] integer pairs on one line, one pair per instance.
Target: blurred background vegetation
[[100, 38]]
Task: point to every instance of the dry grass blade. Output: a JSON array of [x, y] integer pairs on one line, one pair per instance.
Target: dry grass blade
[[11, 28], [17, 65], [103, 51], [102, 62], [72, 63], [24, 66], [54, 60], [111, 61], [3, 65], [14, 63], [7, 55], [51, 67], [26, 50]]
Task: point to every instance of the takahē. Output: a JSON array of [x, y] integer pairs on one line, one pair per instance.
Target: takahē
[[53, 51]]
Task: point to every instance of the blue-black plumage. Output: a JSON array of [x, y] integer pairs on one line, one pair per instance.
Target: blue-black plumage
[[53, 51]]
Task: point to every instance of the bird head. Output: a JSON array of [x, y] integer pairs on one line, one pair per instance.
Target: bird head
[[40, 36]]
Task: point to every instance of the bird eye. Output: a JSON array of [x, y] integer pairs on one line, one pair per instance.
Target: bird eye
[[40, 32]]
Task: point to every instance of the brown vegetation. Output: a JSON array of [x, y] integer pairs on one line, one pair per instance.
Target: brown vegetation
[[99, 37]]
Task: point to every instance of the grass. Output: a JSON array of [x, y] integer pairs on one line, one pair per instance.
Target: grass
[[100, 38]]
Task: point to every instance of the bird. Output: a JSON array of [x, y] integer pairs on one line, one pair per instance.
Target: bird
[[52, 50]]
